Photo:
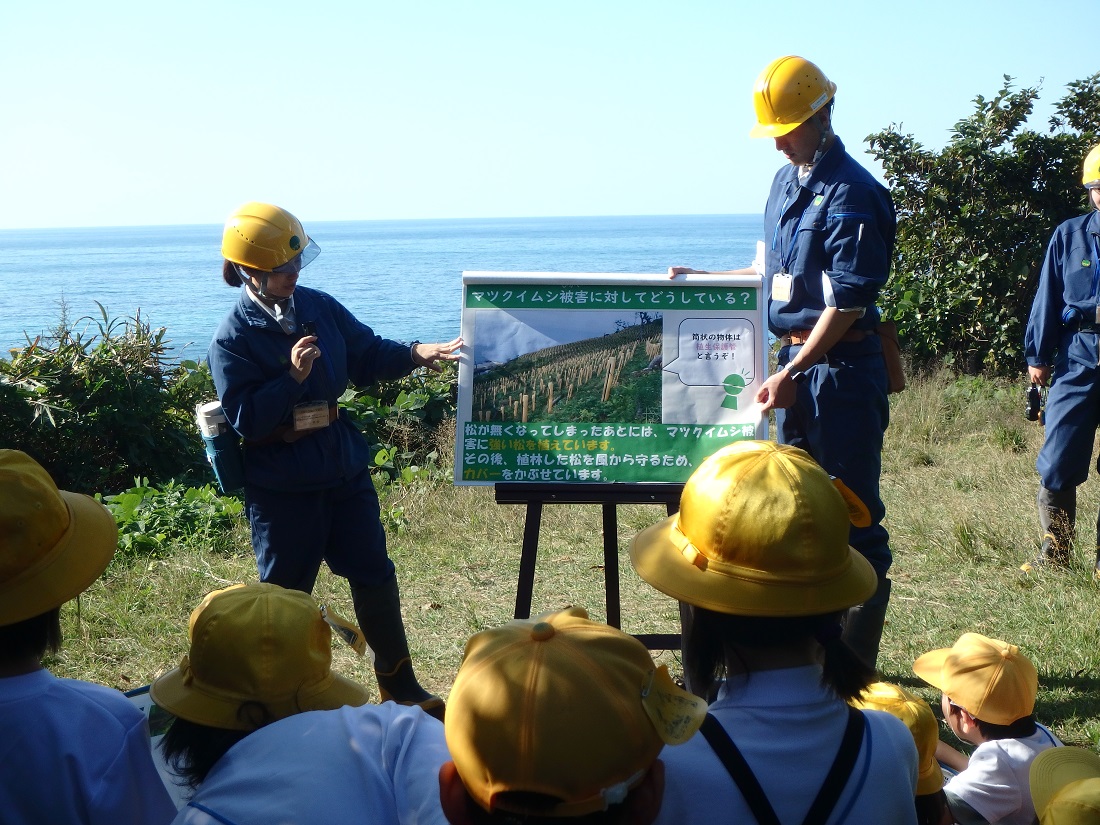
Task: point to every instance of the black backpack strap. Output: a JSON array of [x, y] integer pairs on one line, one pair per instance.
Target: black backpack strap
[[739, 769], [838, 774], [750, 788]]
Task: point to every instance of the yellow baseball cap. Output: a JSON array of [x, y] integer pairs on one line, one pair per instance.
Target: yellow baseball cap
[[918, 717], [1065, 786], [564, 707], [992, 680], [761, 531], [53, 543], [255, 645]]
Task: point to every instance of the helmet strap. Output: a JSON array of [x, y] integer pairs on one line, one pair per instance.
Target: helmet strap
[[825, 142], [259, 291]]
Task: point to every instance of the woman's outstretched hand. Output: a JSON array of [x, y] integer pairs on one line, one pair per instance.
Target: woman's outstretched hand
[[428, 355]]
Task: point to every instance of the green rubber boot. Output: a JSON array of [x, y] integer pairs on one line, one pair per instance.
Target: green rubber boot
[[378, 610]]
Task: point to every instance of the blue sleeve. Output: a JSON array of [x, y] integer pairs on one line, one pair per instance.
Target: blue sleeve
[[859, 241], [1044, 326], [371, 358]]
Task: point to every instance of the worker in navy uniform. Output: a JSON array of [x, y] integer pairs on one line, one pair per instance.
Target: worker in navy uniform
[[1061, 338]]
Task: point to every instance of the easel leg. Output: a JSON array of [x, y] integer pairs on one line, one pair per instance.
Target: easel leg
[[526, 585], [611, 564]]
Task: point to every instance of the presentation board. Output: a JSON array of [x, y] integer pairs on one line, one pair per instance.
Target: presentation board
[[605, 377]]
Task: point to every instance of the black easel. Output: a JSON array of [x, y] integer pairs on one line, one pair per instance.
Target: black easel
[[607, 495]]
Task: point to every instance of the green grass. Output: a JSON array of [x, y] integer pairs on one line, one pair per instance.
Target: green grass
[[959, 484]]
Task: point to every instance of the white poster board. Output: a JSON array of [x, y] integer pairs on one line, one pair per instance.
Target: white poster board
[[590, 377]]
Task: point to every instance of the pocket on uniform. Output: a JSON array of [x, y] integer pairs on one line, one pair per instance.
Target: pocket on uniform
[[1083, 348]]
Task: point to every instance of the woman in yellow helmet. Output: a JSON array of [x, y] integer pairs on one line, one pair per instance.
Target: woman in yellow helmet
[[1062, 334], [280, 360]]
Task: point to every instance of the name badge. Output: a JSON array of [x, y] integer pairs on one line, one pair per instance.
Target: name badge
[[781, 286], [312, 415]]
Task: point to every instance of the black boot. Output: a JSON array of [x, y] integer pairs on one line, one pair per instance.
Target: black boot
[[378, 610], [1057, 519], [864, 623]]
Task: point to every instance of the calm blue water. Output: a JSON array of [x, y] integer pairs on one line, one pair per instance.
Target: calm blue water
[[402, 278]]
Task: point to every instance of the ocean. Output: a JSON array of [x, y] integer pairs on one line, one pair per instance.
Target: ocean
[[402, 278]]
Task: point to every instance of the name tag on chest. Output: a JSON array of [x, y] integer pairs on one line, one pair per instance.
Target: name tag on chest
[[781, 286]]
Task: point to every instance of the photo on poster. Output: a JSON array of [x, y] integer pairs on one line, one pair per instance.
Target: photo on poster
[[578, 377]]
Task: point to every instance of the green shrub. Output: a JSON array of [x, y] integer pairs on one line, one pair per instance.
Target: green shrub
[[152, 521], [974, 220], [97, 410], [403, 421]]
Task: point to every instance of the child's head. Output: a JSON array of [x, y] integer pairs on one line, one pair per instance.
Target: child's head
[[560, 717], [258, 653], [984, 682], [918, 717], [53, 545]]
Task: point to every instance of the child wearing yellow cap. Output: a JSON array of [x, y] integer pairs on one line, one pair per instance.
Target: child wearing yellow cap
[[71, 751], [988, 701]]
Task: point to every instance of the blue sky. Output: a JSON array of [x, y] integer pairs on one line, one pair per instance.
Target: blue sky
[[128, 113]]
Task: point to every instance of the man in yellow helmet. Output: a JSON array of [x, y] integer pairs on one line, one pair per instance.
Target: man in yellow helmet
[[829, 230], [1062, 333]]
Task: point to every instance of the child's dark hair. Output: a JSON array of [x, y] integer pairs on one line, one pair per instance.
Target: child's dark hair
[[713, 640], [614, 815], [192, 749], [1020, 729], [31, 638]]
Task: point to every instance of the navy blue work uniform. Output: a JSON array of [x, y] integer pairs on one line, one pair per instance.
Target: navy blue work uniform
[[1062, 333], [833, 234], [309, 498]]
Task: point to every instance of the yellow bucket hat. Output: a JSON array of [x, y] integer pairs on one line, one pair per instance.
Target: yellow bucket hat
[[53, 543], [255, 643], [761, 531]]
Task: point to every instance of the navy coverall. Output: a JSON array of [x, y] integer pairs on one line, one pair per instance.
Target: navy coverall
[[1062, 332], [312, 498], [834, 234]]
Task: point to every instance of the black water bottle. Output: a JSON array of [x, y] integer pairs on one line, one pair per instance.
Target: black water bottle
[[1034, 403]]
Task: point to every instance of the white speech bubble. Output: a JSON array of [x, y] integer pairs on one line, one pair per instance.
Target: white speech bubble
[[711, 350]]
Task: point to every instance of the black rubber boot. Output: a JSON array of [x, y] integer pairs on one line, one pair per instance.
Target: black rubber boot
[[1057, 519], [864, 623], [378, 611]]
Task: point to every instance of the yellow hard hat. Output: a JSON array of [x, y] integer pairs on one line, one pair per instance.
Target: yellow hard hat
[[1090, 175], [265, 237], [787, 93]]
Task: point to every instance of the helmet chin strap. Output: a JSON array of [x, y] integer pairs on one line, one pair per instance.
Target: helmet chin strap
[[260, 291], [826, 134]]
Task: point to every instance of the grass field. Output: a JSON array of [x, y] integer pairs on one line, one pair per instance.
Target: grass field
[[959, 484]]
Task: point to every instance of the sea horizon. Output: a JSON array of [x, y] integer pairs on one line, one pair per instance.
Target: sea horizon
[[497, 218], [401, 277]]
